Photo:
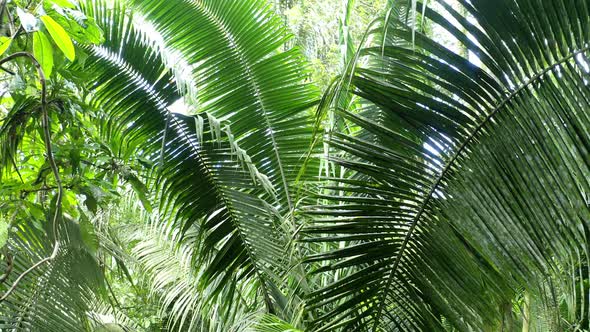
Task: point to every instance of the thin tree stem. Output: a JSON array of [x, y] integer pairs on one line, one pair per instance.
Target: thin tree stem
[[9, 266]]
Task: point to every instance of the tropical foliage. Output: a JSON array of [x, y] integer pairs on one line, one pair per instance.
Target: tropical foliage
[[180, 166]]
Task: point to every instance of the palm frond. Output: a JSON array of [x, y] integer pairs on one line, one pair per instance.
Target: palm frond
[[242, 78], [270, 323], [176, 282], [57, 295], [204, 176], [494, 152]]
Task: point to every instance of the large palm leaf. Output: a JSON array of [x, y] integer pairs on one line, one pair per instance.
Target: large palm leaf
[[242, 78], [495, 154], [206, 175], [54, 297]]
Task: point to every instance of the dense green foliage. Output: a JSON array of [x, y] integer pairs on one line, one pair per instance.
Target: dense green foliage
[[252, 165]]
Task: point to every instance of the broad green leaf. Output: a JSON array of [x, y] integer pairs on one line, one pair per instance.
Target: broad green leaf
[[93, 32], [91, 202], [3, 233], [34, 211], [62, 3], [81, 28], [89, 236], [60, 37], [43, 51], [4, 44]]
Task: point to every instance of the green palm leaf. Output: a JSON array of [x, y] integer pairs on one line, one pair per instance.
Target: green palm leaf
[[242, 78], [57, 295], [494, 153], [204, 175]]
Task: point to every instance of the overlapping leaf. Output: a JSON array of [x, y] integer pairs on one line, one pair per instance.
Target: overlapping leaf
[[495, 153], [205, 174], [57, 295], [242, 78]]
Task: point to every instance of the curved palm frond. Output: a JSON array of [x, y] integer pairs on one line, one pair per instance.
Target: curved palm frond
[[176, 283], [56, 296], [205, 174], [475, 167], [270, 323], [241, 77], [167, 264]]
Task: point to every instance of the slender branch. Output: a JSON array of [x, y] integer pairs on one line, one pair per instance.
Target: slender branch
[[7, 70], [25, 192], [11, 22], [16, 168], [52, 163], [9, 266], [114, 297], [106, 168], [2, 8]]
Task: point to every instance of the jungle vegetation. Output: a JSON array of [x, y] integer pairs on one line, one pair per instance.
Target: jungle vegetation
[[294, 165]]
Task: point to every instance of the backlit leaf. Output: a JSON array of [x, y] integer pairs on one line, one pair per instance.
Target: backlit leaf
[[43, 51], [4, 44], [60, 37]]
